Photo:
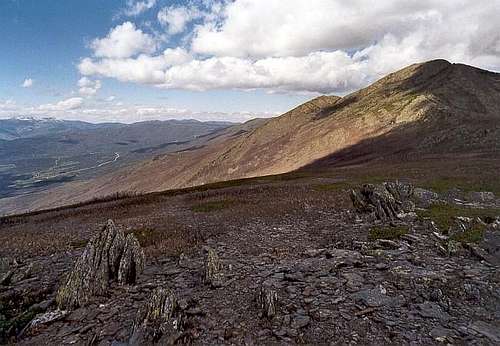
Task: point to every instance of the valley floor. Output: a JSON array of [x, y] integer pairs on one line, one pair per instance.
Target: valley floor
[[337, 282]]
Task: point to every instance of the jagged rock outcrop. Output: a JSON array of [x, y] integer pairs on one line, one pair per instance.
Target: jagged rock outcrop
[[132, 261], [213, 269], [403, 194], [267, 299], [385, 201], [160, 320], [108, 256]]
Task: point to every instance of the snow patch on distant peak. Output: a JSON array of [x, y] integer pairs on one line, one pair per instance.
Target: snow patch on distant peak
[[37, 119]]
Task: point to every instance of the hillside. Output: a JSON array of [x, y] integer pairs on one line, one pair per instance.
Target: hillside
[[433, 107]]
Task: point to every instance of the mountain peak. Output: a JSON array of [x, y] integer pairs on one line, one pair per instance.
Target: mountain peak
[[433, 63], [419, 73], [415, 73]]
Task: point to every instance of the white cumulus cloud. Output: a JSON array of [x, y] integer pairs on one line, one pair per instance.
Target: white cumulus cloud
[[28, 83], [64, 105], [88, 87], [123, 41]]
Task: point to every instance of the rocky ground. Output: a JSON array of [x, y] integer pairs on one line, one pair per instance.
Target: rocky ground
[[338, 275]]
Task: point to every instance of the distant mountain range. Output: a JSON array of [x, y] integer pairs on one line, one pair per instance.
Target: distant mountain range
[[434, 107], [36, 154], [26, 127]]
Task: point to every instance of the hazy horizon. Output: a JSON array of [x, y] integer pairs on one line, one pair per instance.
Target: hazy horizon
[[97, 121]]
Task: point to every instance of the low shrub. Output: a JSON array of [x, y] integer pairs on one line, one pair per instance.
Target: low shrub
[[443, 214], [474, 235], [388, 232]]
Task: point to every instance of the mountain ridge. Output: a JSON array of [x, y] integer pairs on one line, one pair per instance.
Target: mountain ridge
[[28, 127]]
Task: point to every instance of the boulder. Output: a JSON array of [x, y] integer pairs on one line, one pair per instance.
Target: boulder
[[481, 197], [491, 244], [424, 198], [43, 319], [107, 255], [300, 321]]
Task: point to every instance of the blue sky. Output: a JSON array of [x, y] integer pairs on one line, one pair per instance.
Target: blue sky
[[132, 60], [45, 40]]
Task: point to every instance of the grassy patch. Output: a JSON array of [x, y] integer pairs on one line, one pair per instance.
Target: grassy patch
[[78, 244], [351, 183], [443, 214], [474, 235], [248, 181], [206, 207], [331, 187], [402, 101], [372, 179], [166, 241], [389, 233], [444, 184], [148, 236], [286, 176], [26, 317]]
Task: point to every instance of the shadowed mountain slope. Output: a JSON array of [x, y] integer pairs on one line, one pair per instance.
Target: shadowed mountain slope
[[433, 107]]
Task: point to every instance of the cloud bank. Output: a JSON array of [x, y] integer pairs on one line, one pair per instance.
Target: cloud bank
[[325, 46]]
